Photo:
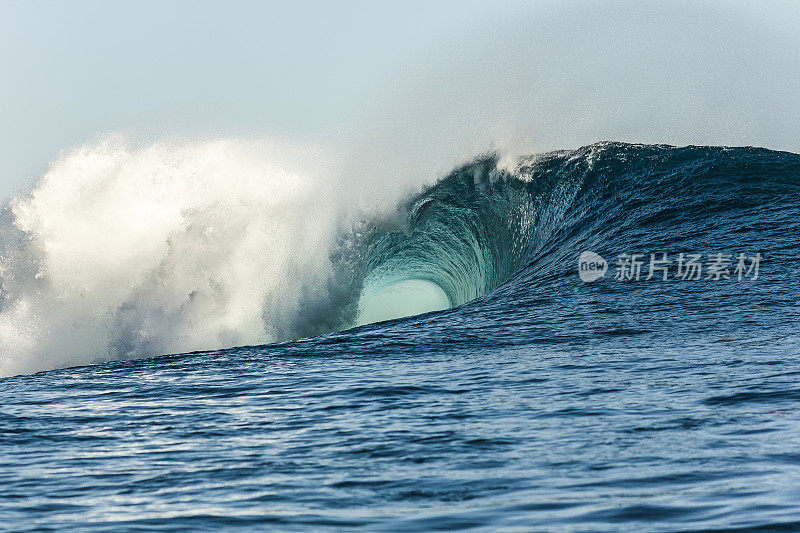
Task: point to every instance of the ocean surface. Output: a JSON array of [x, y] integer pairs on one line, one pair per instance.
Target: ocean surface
[[537, 393]]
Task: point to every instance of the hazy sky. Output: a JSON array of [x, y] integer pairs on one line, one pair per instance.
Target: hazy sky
[[72, 70], [69, 70]]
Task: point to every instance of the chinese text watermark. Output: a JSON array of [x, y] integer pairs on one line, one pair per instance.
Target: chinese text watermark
[[662, 266]]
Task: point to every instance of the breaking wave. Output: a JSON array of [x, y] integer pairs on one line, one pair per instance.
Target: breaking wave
[[122, 252]]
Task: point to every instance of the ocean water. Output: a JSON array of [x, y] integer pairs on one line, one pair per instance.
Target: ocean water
[[522, 398]]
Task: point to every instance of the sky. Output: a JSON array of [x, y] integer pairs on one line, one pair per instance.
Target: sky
[[317, 71], [71, 70]]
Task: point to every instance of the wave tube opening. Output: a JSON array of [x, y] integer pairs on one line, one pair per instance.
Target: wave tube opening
[[400, 299]]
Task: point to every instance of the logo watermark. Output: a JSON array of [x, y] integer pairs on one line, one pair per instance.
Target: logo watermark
[[591, 266], [661, 266]]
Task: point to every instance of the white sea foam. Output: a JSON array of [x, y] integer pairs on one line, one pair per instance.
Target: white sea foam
[[123, 251]]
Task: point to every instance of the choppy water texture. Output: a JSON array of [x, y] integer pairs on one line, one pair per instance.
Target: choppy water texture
[[538, 402]]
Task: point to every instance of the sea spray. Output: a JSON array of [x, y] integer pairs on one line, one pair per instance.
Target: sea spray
[[122, 251]]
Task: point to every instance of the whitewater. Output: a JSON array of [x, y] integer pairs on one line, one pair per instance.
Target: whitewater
[[123, 251]]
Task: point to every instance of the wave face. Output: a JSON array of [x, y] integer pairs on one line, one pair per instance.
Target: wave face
[[461, 237], [515, 234], [120, 254]]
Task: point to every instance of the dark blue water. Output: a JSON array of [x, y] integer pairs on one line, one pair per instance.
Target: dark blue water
[[539, 402]]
